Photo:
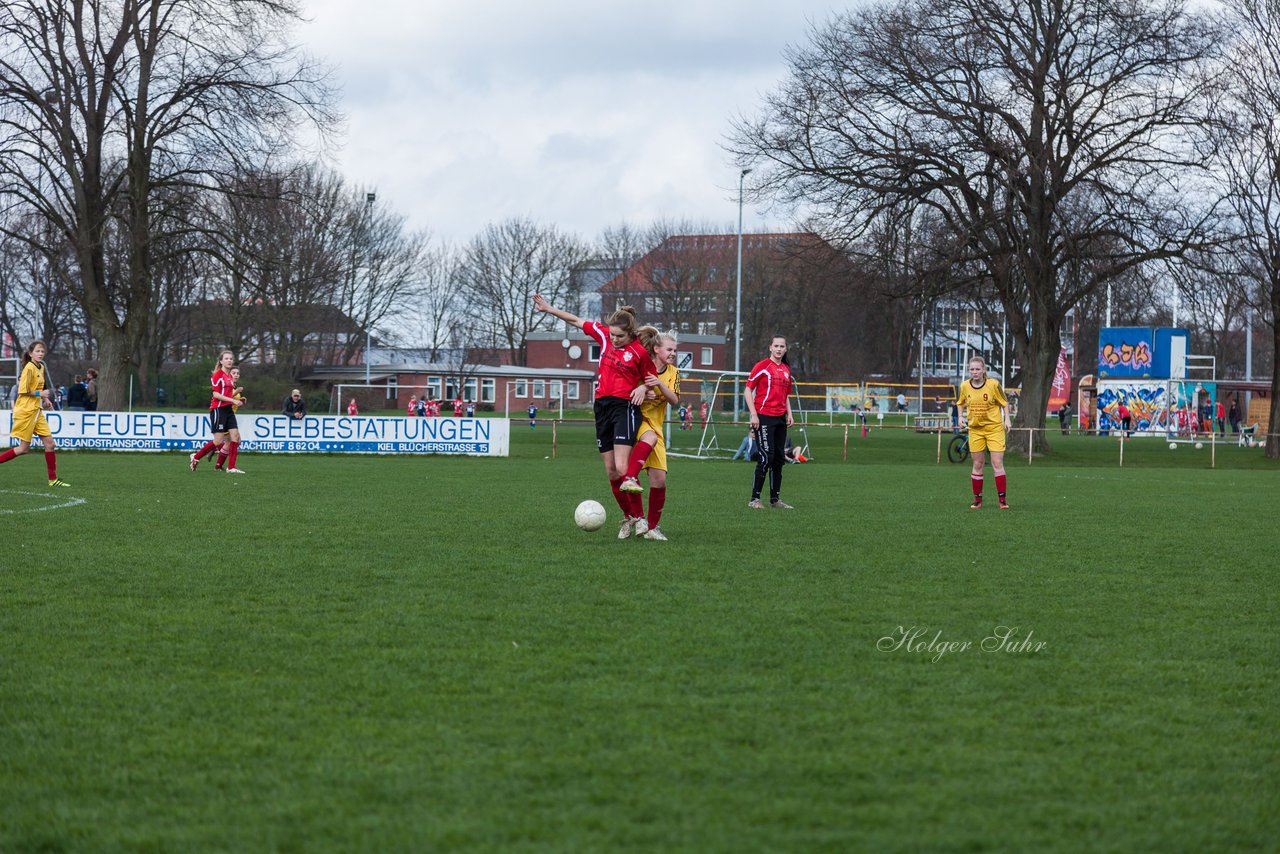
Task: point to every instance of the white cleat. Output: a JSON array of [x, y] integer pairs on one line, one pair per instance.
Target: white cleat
[[627, 528], [631, 485], [655, 534], [235, 471], [642, 526], [195, 461]]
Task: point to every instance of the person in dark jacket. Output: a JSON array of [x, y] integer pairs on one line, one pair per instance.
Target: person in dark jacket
[[294, 405]]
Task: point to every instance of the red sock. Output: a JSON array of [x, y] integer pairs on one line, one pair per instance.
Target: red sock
[[8, 455], [51, 463], [222, 457], [623, 499], [639, 454], [1000, 486], [231, 461], [637, 504], [976, 481], [657, 497], [209, 446]]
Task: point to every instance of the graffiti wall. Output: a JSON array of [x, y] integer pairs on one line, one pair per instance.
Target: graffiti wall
[[1159, 407], [1125, 351]]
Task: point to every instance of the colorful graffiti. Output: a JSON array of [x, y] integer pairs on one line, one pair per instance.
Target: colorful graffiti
[[1134, 356], [1125, 351], [1154, 407]]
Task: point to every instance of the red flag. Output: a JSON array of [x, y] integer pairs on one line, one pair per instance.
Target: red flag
[[1060, 391]]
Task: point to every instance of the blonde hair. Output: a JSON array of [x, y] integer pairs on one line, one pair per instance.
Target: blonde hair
[[649, 338]]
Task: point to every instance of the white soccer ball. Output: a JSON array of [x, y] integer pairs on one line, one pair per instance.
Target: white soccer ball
[[1199, 445], [1173, 446], [590, 515]]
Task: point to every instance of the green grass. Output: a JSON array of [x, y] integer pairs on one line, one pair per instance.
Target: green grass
[[417, 654]]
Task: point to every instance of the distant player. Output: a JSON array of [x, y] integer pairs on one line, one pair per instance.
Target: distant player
[[222, 417], [665, 388], [33, 396], [984, 410], [533, 415], [352, 409], [412, 409], [768, 398], [231, 448], [620, 389]]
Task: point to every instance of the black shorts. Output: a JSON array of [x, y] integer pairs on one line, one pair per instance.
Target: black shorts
[[616, 422], [222, 419]]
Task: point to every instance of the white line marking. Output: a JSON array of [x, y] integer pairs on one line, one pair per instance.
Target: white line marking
[[74, 502]]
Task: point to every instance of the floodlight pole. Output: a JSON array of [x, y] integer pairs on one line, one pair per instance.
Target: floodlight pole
[[737, 308], [369, 199]]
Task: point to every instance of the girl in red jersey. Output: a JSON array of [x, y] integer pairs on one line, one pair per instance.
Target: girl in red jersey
[[33, 395], [231, 448], [222, 419], [620, 389], [768, 397]]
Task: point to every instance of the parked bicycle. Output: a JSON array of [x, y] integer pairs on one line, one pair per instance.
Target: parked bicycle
[[958, 448]]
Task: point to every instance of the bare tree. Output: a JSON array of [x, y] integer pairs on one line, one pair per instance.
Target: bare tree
[[1036, 132], [1247, 146], [105, 102], [502, 268], [435, 314]]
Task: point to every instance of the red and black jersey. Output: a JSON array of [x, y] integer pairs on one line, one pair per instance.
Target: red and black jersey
[[621, 369], [222, 384], [771, 382]]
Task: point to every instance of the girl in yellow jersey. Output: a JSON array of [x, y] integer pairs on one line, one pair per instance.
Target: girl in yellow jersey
[[664, 387], [984, 409], [28, 412]]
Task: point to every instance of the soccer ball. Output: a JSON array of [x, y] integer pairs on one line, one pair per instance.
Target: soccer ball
[[590, 515], [1173, 446], [1199, 445]]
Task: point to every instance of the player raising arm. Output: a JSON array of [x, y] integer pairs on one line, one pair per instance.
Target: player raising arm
[[984, 410], [620, 389], [28, 412]]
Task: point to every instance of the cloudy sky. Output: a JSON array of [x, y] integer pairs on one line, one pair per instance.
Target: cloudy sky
[[574, 113]]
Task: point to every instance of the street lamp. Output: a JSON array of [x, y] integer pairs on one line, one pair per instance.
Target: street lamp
[[737, 307], [369, 199]]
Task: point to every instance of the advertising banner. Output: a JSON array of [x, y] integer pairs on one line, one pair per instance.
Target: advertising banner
[[330, 434]]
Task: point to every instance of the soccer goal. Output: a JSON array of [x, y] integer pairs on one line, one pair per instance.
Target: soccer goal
[[703, 426]]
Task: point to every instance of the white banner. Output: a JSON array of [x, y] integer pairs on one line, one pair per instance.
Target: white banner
[[330, 434]]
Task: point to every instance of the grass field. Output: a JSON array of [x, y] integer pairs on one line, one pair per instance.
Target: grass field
[[423, 654]]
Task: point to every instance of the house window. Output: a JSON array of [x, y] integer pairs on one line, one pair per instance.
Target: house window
[[433, 388], [706, 356], [469, 389], [539, 389], [706, 327], [593, 355], [522, 388], [450, 389], [572, 386], [488, 390], [556, 389], [392, 388]]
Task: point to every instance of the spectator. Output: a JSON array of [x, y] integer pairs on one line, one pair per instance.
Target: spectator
[[1233, 415], [747, 450], [1064, 418], [902, 402], [1126, 420], [1221, 418], [77, 397], [91, 390], [294, 406]]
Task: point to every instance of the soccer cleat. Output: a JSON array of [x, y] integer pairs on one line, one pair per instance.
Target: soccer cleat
[[780, 505], [195, 462], [234, 471], [655, 534], [642, 526], [631, 485], [755, 504], [977, 503], [1004, 505], [57, 481], [627, 527]]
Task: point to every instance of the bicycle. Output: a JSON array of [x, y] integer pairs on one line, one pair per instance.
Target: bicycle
[[958, 448]]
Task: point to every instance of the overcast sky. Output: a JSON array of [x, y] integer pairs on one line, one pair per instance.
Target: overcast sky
[[574, 113]]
